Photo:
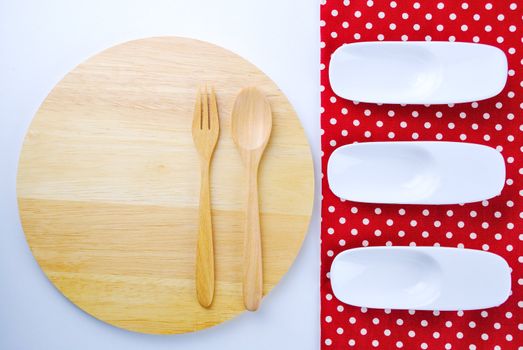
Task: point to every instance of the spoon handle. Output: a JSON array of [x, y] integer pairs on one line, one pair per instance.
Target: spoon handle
[[204, 249], [252, 267]]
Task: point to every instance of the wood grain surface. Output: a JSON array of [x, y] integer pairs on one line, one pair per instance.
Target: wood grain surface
[[108, 185]]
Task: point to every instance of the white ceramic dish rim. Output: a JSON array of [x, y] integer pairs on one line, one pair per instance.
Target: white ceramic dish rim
[[499, 273], [488, 183], [445, 77]]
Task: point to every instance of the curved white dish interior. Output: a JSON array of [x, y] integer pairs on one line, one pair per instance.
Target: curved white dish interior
[[420, 278], [417, 72], [421, 172]]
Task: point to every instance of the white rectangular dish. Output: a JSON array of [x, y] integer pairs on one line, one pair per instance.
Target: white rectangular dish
[[420, 278], [420, 172], [417, 72]]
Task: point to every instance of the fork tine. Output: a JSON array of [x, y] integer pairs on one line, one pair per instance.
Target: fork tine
[[197, 117], [213, 105], [205, 115]]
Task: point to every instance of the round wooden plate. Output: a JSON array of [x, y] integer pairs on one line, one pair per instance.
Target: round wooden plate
[[108, 185]]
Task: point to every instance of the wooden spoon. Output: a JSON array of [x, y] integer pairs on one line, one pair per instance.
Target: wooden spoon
[[251, 129]]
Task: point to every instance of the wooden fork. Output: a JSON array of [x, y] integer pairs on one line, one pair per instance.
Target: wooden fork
[[205, 131]]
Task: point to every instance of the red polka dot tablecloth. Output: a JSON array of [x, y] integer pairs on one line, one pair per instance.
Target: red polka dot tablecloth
[[495, 225]]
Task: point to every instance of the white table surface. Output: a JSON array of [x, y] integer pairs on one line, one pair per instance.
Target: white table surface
[[40, 41]]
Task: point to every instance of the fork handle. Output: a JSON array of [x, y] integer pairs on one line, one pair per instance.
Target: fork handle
[[252, 264], [204, 249]]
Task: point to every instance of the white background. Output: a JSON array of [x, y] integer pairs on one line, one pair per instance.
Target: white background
[[40, 41]]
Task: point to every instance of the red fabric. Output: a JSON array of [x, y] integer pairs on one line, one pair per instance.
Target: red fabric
[[495, 225]]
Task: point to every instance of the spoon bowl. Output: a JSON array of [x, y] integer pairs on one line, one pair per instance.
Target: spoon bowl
[[251, 120]]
